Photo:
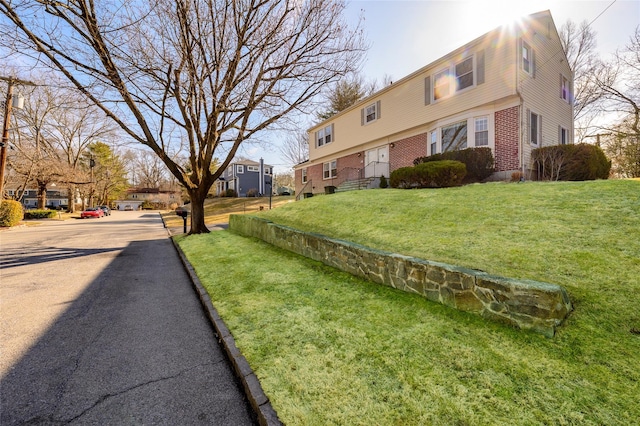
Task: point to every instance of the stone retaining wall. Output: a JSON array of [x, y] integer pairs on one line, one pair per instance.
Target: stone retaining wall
[[525, 304]]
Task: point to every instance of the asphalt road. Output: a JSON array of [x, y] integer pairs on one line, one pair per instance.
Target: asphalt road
[[99, 324]]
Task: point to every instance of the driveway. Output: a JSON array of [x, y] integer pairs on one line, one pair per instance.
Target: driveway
[[99, 324]]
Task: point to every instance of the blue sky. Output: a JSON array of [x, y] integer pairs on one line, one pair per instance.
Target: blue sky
[[404, 36]]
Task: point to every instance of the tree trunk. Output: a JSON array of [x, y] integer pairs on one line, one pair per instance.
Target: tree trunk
[[71, 204], [42, 196], [197, 198]]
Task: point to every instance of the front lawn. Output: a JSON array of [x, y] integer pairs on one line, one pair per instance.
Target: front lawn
[[332, 349]]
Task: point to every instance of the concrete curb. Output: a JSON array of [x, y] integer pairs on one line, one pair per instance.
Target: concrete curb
[[267, 416]]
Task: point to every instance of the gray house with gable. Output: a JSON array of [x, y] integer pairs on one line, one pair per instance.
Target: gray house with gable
[[246, 178]]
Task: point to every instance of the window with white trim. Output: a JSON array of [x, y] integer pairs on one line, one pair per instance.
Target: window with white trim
[[481, 127], [441, 84], [464, 74], [534, 128], [304, 175], [324, 136], [253, 168], [370, 113], [330, 170], [563, 136], [240, 168], [434, 143], [527, 58], [564, 88], [454, 136]]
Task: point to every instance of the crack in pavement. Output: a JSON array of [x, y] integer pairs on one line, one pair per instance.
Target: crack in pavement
[[104, 398]]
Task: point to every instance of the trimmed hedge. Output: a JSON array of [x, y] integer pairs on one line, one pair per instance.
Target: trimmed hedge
[[576, 162], [433, 174], [479, 162], [40, 214], [11, 213]]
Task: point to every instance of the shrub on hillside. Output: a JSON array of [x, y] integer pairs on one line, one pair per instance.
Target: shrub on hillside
[[230, 193], [11, 213], [40, 214], [432, 174], [383, 182], [403, 178], [253, 192], [478, 161], [570, 162]]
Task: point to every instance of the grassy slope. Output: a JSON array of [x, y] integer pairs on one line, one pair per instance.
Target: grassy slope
[[327, 352]]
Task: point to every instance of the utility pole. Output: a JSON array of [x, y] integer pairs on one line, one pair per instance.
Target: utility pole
[[7, 121]]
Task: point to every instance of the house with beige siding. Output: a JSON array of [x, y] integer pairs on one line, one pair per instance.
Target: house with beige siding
[[509, 90]]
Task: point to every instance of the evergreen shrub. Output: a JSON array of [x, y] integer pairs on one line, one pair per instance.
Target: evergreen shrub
[[40, 214], [478, 161], [11, 213], [432, 174], [575, 162]]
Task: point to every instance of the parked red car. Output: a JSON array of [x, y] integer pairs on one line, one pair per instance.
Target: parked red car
[[92, 212]]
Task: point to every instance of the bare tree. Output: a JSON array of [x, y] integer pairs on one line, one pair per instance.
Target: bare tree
[[148, 170], [621, 88], [295, 148], [55, 130], [196, 75], [579, 43]]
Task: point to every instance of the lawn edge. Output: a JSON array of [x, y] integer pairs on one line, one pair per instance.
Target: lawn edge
[[260, 403]]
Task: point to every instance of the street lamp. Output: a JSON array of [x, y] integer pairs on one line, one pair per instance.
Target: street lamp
[[15, 102]]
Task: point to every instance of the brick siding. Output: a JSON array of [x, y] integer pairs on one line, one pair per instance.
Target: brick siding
[[506, 153], [406, 150]]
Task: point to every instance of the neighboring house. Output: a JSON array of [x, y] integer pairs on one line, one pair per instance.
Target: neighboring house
[[509, 90], [244, 176], [56, 197], [157, 197]]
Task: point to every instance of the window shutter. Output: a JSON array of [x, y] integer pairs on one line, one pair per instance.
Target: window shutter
[[528, 125], [333, 133], [540, 130], [480, 67], [427, 90], [559, 134], [533, 62], [561, 94], [362, 117], [378, 112]]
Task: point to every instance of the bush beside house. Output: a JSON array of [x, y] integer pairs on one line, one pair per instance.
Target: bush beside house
[[478, 161], [40, 214], [432, 174], [570, 162], [11, 213]]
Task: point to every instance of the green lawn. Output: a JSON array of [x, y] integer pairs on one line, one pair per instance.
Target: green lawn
[[332, 349]]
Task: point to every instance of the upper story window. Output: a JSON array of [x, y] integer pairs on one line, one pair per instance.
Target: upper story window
[[324, 136], [370, 113], [482, 131], [253, 169], [456, 78], [464, 74], [240, 168], [441, 85], [564, 88], [304, 175], [454, 136], [527, 58]]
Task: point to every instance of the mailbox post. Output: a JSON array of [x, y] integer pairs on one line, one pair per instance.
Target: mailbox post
[[183, 213]]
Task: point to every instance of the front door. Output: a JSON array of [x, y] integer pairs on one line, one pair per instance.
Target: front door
[[377, 162]]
